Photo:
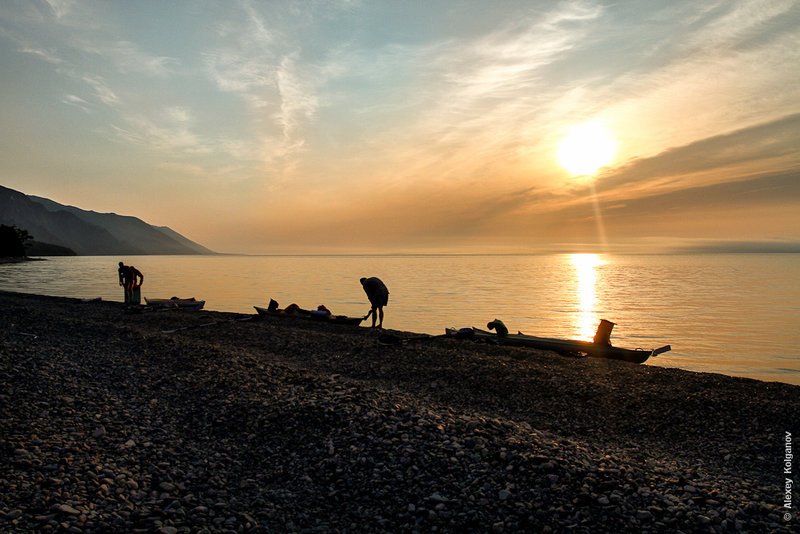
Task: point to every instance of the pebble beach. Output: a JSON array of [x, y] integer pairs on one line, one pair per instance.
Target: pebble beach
[[119, 420]]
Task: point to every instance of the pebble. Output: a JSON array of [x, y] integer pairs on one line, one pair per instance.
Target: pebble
[[263, 426], [67, 509], [644, 515]]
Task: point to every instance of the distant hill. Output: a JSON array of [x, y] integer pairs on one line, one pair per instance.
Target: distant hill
[[37, 248], [89, 233]]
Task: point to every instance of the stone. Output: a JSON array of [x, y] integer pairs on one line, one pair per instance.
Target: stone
[[644, 515], [67, 509], [240, 419]]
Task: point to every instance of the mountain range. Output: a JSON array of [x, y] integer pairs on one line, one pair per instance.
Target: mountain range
[[88, 233]]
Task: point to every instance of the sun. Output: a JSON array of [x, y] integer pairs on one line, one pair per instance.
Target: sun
[[586, 148]]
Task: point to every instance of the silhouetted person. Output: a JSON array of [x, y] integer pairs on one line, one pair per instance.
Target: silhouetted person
[[294, 309], [128, 275], [499, 326], [126, 280], [378, 297]]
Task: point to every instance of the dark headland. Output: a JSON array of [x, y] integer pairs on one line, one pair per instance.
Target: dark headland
[[108, 424]]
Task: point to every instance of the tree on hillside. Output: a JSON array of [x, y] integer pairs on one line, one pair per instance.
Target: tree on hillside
[[13, 241]]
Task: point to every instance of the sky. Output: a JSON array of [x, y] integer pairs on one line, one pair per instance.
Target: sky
[[444, 126]]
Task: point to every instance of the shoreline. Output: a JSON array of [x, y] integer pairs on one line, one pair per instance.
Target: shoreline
[[755, 340], [4, 260], [280, 425]]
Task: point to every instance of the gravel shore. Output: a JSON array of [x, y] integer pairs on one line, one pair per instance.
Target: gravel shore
[[176, 422]]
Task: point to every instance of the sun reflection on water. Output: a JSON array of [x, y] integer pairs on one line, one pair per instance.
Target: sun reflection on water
[[586, 277]]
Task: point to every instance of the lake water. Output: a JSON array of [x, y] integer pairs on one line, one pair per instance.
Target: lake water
[[735, 314]]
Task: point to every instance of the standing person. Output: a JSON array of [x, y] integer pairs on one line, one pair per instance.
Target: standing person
[[138, 280], [126, 281], [378, 297], [128, 275]]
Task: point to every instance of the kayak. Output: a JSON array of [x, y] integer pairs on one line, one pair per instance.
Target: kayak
[[562, 346], [175, 302], [311, 315]]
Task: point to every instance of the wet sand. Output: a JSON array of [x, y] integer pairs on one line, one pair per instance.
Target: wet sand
[[231, 423]]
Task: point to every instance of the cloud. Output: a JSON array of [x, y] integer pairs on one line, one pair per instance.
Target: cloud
[[758, 150], [61, 8], [297, 97], [101, 89], [479, 77], [262, 69], [425, 122], [737, 26], [240, 73], [48, 55], [722, 66], [128, 57], [452, 108], [731, 246], [684, 191], [170, 131], [77, 101], [755, 193]]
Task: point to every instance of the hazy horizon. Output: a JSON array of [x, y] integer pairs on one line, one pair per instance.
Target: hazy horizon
[[403, 128]]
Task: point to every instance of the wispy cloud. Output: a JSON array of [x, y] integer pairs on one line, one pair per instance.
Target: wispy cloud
[[451, 108], [434, 121], [101, 89], [61, 8], [112, 70], [262, 70], [47, 55], [74, 100], [298, 98], [482, 76], [767, 148], [727, 26], [714, 72], [169, 129], [128, 57]]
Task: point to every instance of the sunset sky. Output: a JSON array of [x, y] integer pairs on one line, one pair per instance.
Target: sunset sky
[[396, 126]]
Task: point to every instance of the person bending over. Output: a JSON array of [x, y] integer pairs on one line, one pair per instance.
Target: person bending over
[[378, 297]]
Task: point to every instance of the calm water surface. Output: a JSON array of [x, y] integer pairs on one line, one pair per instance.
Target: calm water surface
[[735, 314]]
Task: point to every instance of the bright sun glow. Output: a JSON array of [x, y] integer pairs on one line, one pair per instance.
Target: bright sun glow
[[585, 149]]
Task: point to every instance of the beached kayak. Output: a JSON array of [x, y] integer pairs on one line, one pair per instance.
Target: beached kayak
[[311, 315], [175, 302], [562, 346]]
